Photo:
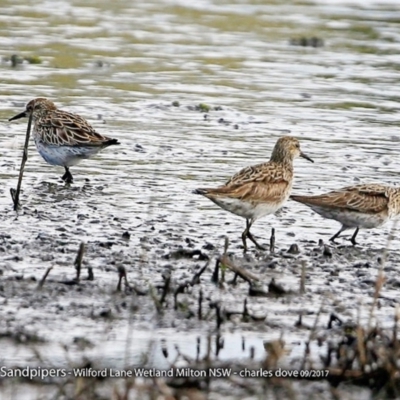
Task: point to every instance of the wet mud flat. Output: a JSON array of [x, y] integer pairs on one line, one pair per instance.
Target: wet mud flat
[[154, 299]]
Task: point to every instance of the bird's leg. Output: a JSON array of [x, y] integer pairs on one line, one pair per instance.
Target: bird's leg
[[67, 177], [272, 241], [251, 237], [353, 238], [336, 235], [244, 236]]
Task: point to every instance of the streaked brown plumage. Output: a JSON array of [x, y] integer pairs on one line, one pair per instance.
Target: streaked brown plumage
[[63, 138], [261, 189], [360, 206]]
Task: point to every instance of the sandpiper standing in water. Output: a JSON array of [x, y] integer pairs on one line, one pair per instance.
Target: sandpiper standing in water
[[360, 206], [261, 189], [63, 138]]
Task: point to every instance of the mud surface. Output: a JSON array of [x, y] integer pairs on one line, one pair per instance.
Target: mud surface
[[193, 93]]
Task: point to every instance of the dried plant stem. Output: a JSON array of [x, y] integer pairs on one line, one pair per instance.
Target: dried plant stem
[[303, 277], [41, 283], [78, 260], [272, 241], [15, 193], [122, 275], [245, 275]]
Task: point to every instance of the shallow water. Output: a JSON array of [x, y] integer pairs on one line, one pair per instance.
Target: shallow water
[[121, 65]]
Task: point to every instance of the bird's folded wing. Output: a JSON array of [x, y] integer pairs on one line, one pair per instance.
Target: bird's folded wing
[[271, 191], [366, 199], [70, 130]]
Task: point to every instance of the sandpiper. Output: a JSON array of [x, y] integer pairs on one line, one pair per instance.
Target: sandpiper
[[360, 206], [261, 189], [63, 138]]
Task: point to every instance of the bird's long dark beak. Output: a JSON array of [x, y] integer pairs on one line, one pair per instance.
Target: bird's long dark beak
[[301, 155], [18, 116]]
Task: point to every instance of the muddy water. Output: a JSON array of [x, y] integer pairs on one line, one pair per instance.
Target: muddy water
[[121, 65]]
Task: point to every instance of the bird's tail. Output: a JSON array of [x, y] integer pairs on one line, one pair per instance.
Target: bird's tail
[[111, 142], [297, 198], [200, 191]]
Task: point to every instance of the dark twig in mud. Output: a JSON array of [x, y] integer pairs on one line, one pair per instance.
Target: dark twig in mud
[[274, 290], [219, 343], [194, 281], [252, 352], [219, 317], [187, 253], [41, 283], [197, 275], [122, 275], [200, 303], [215, 275], [15, 193], [303, 277], [245, 315], [78, 260], [327, 360], [180, 289], [164, 348], [90, 274], [198, 343], [234, 280], [219, 263], [327, 251], [334, 318], [272, 241], [217, 306], [299, 322], [165, 290]]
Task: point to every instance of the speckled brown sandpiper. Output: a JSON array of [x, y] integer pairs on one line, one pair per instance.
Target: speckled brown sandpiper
[[63, 138], [360, 206], [261, 189]]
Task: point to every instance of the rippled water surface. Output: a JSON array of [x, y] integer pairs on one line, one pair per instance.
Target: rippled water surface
[[123, 64]]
